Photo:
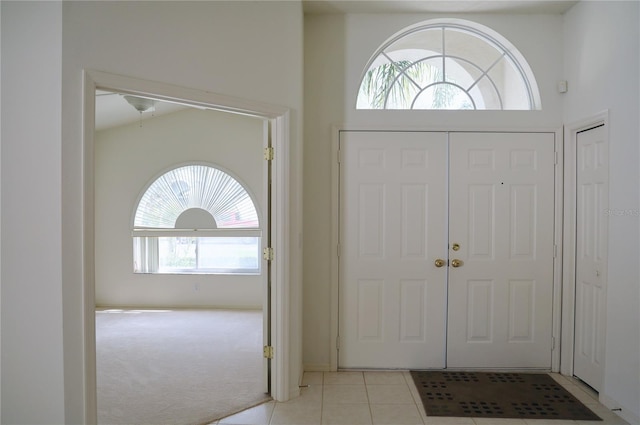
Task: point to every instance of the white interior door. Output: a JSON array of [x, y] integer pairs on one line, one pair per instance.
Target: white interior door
[[267, 270], [502, 218], [591, 254], [392, 228]]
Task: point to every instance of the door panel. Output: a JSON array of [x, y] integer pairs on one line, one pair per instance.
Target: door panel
[[591, 254], [501, 215], [392, 228]]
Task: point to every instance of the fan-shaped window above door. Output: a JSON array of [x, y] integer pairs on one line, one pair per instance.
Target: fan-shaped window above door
[[196, 219], [448, 64]]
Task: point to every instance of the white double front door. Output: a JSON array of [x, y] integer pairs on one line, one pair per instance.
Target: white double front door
[[446, 250]]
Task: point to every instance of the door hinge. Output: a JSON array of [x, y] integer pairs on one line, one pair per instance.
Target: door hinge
[[553, 343], [555, 159], [555, 251], [339, 156], [267, 352], [269, 153], [267, 254], [337, 342]]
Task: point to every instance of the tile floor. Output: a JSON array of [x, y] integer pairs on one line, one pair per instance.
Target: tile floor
[[383, 398]]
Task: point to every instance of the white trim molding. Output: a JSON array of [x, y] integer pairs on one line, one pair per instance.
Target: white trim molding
[[623, 412]]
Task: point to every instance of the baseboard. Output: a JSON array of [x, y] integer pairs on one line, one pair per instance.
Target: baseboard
[[294, 393], [169, 307], [319, 367], [621, 411]]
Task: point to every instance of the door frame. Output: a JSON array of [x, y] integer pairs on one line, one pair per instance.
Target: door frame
[[278, 135], [557, 322], [569, 235]]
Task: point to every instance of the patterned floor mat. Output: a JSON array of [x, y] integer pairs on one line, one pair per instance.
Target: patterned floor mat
[[497, 395]]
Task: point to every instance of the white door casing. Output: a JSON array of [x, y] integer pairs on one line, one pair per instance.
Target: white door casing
[[502, 217], [375, 295], [393, 215], [592, 174]]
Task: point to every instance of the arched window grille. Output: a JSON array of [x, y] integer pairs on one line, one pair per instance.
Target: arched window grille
[[196, 219], [448, 64]]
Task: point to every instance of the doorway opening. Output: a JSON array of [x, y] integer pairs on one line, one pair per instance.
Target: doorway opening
[[464, 225], [190, 317], [275, 128]]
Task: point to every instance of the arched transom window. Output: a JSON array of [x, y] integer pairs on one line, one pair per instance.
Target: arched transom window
[[448, 64], [196, 219]]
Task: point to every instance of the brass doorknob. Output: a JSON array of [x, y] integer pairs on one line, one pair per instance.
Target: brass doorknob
[[440, 262], [456, 263]]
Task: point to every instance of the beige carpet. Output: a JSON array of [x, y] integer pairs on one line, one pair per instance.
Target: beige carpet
[[177, 367]]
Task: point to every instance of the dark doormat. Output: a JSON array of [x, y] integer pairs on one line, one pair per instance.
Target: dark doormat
[[497, 395]]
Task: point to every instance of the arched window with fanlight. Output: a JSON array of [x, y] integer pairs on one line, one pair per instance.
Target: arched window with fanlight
[[196, 218], [448, 64]]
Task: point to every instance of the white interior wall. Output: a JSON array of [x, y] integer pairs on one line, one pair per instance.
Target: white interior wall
[[128, 158], [250, 50], [0, 219], [602, 54], [32, 322], [337, 49]]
